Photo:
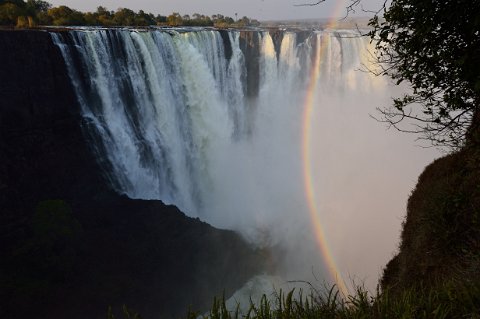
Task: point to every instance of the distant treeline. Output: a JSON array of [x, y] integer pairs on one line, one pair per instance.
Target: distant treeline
[[21, 14]]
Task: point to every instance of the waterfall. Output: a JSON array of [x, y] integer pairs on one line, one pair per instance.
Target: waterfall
[[157, 107], [211, 121]]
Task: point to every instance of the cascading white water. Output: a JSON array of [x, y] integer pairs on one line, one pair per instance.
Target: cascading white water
[[155, 101], [171, 116]]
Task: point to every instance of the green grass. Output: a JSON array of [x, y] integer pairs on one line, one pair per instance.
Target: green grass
[[448, 300], [445, 301]]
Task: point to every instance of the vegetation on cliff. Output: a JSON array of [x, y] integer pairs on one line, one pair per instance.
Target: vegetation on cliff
[[21, 14], [441, 233], [434, 47]]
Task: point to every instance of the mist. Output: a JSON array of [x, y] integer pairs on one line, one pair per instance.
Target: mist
[[363, 173], [233, 158]]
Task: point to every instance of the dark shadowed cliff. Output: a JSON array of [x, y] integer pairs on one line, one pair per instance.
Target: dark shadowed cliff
[[440, 239], [69, 246]]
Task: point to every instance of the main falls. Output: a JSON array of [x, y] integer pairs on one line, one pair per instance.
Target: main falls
[[264, 132]]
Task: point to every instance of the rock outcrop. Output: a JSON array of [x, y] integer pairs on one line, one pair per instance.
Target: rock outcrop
[[249, 45], [440, 240]]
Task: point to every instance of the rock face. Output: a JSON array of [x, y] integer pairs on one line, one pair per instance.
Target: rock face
[[441, 233], [43, 152], [249, 45], [89, 248]]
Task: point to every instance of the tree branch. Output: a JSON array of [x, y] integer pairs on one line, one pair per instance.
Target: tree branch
[[309, 4]]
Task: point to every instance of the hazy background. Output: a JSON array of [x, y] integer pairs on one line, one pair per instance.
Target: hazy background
[[257, 9]]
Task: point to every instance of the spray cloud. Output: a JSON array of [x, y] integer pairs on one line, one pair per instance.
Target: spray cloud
[[172, 115]]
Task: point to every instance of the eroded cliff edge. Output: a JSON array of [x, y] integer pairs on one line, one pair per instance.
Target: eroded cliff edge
[[69, 246], [440, 240]]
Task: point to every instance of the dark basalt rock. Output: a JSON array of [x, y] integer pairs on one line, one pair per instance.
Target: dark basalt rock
[[227, 45], [145, 254], [277, 37], [249, 46]]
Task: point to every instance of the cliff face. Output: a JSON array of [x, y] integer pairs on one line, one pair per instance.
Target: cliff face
[[43, 153], [441, 234], [90, 248], [249, 45]]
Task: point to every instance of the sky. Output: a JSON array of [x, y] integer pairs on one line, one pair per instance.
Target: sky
[[256, 9]]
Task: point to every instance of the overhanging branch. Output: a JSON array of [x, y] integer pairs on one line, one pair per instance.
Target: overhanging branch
[[309, 4]]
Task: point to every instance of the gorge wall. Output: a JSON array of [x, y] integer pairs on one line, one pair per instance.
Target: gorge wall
[[69, 245], [440, 240]]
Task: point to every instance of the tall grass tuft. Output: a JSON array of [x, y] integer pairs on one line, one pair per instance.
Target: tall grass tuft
[[448, 300]]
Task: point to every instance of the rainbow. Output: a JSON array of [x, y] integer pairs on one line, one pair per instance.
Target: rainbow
[[308, 111]]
